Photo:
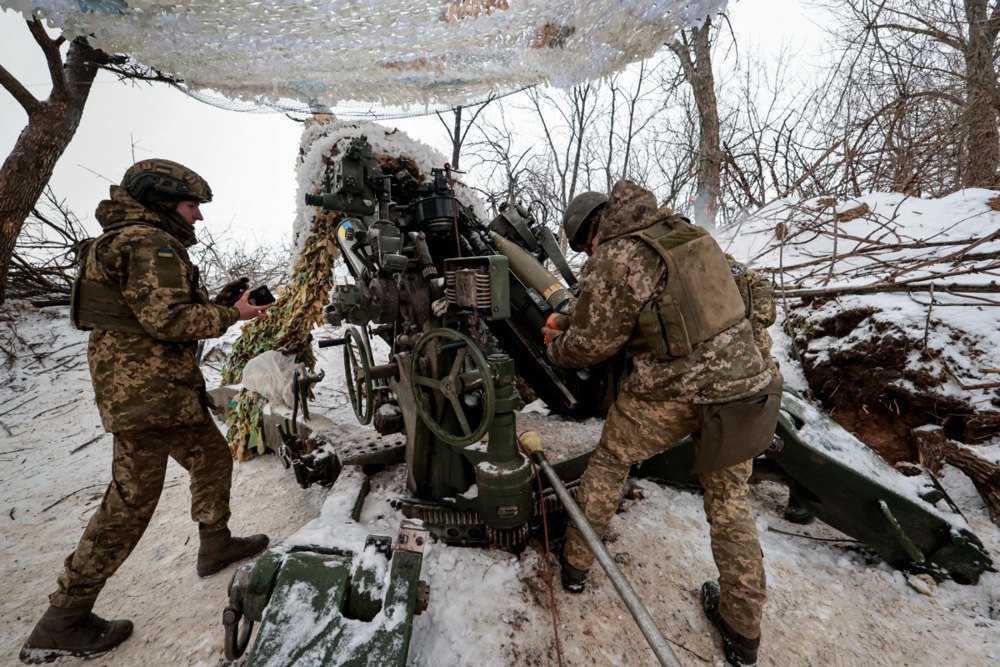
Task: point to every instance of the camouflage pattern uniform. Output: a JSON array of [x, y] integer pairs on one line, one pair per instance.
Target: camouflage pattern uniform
[[149, 389], [758, 294], [657, 403]]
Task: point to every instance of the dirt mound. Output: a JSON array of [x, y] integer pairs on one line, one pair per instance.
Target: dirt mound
[[880, 377]]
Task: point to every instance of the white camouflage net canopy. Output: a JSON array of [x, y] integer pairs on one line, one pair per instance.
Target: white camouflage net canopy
[[388, 54]]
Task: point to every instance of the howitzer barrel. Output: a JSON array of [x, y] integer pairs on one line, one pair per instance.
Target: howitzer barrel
[[533, 444], [530, 272]]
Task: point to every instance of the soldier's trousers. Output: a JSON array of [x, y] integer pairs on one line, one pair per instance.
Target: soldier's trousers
[[636, 430], [137, 473]]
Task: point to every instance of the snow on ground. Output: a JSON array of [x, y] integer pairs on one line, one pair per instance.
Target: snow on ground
[[891, 237], [49, 488], [831, 601]]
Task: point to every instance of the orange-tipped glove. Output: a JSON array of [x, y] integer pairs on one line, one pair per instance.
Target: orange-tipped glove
[[554, 326]]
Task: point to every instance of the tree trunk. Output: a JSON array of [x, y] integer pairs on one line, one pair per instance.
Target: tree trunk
[[51, 126], [456, 139], [710, 162], [696, 61], [982, 98], [936, 449]]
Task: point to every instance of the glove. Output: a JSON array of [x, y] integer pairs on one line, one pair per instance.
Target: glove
[[554, 326], [232, 291]]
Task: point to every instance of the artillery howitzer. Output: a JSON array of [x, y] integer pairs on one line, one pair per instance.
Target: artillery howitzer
[[460, 304]]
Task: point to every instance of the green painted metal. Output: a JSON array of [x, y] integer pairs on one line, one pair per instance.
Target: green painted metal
[[909, 521], [356, 179], [846, 484], [444, 366], [309, 591], [497, 268], [915, 554], [329, 606], [533, 274], [261, 584], [504, 479]]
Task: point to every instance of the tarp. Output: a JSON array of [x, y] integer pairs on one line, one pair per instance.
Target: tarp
[[387, 53]]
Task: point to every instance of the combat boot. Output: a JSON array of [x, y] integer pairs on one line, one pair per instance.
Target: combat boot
[[574, 580], [72, 632], [740, 651], [218, 549]]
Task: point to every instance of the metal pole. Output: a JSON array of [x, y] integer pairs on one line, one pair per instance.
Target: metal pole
[[656, 640]]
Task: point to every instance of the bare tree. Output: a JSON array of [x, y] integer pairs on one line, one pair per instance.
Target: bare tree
[[500, 164], [915, 94], [457, 133], [565, 141], [221, 257], [51, 125], [44, 263], [694, 51]]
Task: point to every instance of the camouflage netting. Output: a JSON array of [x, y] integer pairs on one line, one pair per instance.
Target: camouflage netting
[[289, 322], [330, 52], [286, 328]]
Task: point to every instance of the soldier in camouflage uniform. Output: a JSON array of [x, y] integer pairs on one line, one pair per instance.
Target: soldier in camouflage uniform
[[625, 300], [139, 295]]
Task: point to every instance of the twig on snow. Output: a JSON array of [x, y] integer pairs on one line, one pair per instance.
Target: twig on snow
[[69, 495], [53, 409], [88, 443], [7, 412]]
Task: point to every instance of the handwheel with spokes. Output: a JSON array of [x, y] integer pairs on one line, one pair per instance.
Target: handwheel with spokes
[[358, 373], [453, 368]]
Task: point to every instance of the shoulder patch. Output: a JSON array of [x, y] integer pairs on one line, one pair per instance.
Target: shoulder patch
[[168, 268]]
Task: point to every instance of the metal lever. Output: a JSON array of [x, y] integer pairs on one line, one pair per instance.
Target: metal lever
[[533, 445]]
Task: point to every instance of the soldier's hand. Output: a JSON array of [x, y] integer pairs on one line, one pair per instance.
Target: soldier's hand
[[247, 311], [231, 291], [555, 325], [549, 335]]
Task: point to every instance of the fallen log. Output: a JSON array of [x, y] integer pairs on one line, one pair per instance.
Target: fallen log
[[936, 449]]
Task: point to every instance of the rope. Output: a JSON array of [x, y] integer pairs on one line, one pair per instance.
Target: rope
[[548, 564]]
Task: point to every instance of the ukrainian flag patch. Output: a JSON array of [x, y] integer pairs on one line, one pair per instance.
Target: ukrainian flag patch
[[163, 169], [164, 252]]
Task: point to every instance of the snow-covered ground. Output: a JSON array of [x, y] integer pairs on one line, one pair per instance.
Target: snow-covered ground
[[882, 238], [831, 602]]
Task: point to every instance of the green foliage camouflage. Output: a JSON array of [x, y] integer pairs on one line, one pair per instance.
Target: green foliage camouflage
[[286, 328]]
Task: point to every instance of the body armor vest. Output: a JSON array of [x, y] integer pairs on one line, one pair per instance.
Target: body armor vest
[[700, 299], [95, 304]]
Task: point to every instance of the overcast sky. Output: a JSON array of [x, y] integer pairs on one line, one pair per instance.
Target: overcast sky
[[248, 158]]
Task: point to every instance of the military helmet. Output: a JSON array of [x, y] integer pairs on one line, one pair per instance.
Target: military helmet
[[166, 178], [579, 210]]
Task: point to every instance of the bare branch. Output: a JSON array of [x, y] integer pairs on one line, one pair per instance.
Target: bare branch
[[938, 35], [53, 57], [20, 93]]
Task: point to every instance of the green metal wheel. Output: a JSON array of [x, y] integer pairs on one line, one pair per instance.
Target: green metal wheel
[[453, 384], [358, 373]]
